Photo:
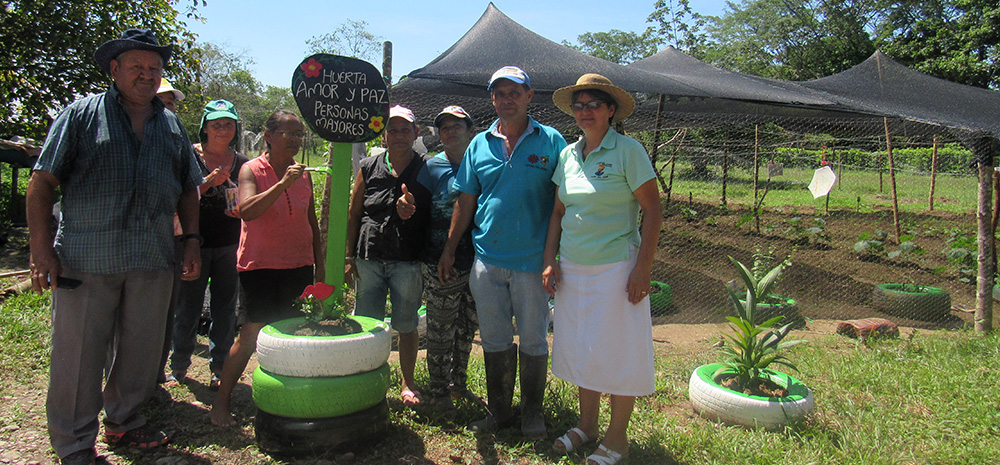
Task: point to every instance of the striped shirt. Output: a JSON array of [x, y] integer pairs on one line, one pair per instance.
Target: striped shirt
[[118, 195]]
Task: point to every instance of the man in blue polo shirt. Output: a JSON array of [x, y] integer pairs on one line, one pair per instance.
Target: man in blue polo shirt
[[124, 165], [506, 188]]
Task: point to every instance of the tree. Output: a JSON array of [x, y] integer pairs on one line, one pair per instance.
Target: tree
[[679, 26], [618, 46], [350, 39], [49, 45], [792, 39], [957, 40]]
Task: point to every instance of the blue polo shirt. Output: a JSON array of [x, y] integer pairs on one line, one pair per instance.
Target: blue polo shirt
[[514, 195], [118, 195]]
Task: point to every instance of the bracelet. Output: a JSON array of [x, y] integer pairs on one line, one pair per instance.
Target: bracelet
[[201, 240], [349, 258]]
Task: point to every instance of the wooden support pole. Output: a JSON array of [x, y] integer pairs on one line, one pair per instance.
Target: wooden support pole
[[982, 151], [756, 160], [892, 180], [930, 201]]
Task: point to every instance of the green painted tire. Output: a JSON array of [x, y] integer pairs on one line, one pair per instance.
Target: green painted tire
[[319, 397], [925, 303], [788, 308], [717, 403], [286, 436], [661, 297], [281, 353]]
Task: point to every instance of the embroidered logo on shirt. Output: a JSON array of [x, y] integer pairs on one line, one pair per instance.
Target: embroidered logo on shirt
[[600, 174], [535, 161]]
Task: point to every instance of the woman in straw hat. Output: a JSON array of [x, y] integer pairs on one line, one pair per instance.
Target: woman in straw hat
[[602, 339]]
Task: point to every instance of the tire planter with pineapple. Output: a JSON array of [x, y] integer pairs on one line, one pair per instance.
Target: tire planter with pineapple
[[724, 405]]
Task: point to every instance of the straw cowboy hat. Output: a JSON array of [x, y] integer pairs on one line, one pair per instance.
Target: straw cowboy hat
[[131, 39], [624, 102]]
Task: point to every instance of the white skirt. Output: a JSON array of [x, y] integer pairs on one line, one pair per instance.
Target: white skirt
[[601, 341]]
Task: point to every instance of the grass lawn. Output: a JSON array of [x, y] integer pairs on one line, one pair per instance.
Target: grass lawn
[[926, 398]]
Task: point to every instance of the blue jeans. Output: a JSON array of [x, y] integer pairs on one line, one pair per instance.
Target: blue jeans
[[218, 263], [502, 295], [402, 281]]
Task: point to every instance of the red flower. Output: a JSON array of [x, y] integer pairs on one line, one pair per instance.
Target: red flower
[[533, 159], [312, 67], [319, 290]]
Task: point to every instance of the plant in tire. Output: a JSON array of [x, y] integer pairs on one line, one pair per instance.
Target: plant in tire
[[754, 348], [324, 312], [745, 390]]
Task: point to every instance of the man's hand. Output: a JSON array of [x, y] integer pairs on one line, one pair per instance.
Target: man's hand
[[191, 264], [445, 265], [406, 205], [45, 269]]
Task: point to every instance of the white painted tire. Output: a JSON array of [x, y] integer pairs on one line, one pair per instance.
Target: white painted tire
[[723, 405], [282, 353]]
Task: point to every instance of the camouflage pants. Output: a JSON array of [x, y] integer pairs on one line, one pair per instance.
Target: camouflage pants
[[451, 326]]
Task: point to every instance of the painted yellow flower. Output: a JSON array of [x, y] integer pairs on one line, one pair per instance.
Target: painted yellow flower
[[376, 123]]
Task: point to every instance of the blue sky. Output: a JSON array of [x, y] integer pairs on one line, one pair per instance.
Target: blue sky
[[274, 33]]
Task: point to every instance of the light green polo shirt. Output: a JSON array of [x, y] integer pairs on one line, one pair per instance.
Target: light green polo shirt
[[602, 214]]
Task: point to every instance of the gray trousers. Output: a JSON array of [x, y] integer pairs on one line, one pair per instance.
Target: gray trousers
[[128, 310]]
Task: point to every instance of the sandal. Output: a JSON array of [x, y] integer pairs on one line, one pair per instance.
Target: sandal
[[610, 457], [567, 442], [213, 385], [410, 398]]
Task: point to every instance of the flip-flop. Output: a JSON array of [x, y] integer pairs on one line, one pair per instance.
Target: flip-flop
[[610, 457], [410, 398], [567, 441]]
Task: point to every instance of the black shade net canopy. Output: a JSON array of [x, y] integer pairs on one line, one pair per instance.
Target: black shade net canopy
[[673, 89]]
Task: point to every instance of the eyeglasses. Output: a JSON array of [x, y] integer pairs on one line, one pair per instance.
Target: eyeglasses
[[593, 105], [292, 135]]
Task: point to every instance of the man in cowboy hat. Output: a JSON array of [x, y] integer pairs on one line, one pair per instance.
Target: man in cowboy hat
[[124, 166], [506, 184]]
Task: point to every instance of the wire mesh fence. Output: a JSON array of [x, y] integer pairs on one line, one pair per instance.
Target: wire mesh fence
[[736, 185]]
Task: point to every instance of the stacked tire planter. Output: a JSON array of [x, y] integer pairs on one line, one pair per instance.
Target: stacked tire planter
[[721, 404], [912, 301], [315, 394]]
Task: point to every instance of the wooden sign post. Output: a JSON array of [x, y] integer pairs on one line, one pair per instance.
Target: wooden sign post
[[345, 101]]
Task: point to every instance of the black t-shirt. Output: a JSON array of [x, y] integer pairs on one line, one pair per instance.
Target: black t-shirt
[[219, 229], [383, 234]]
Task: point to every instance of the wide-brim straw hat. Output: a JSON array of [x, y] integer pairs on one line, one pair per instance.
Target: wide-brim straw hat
[[624, 103]]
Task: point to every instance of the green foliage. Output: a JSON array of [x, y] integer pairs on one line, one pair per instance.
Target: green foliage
[[618, 46], [952, 158], [957, 40], [351, 39], [48, 58], [679, 26], [689, 214], [754, 348], [318, 302], [803, 233], [962, 251], [873, 244]]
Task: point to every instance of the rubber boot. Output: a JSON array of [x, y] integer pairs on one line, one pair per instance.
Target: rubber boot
[[501, 369], [534, 369]]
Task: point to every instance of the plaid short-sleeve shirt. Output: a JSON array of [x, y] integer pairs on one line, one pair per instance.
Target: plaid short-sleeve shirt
[[118, 195]]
